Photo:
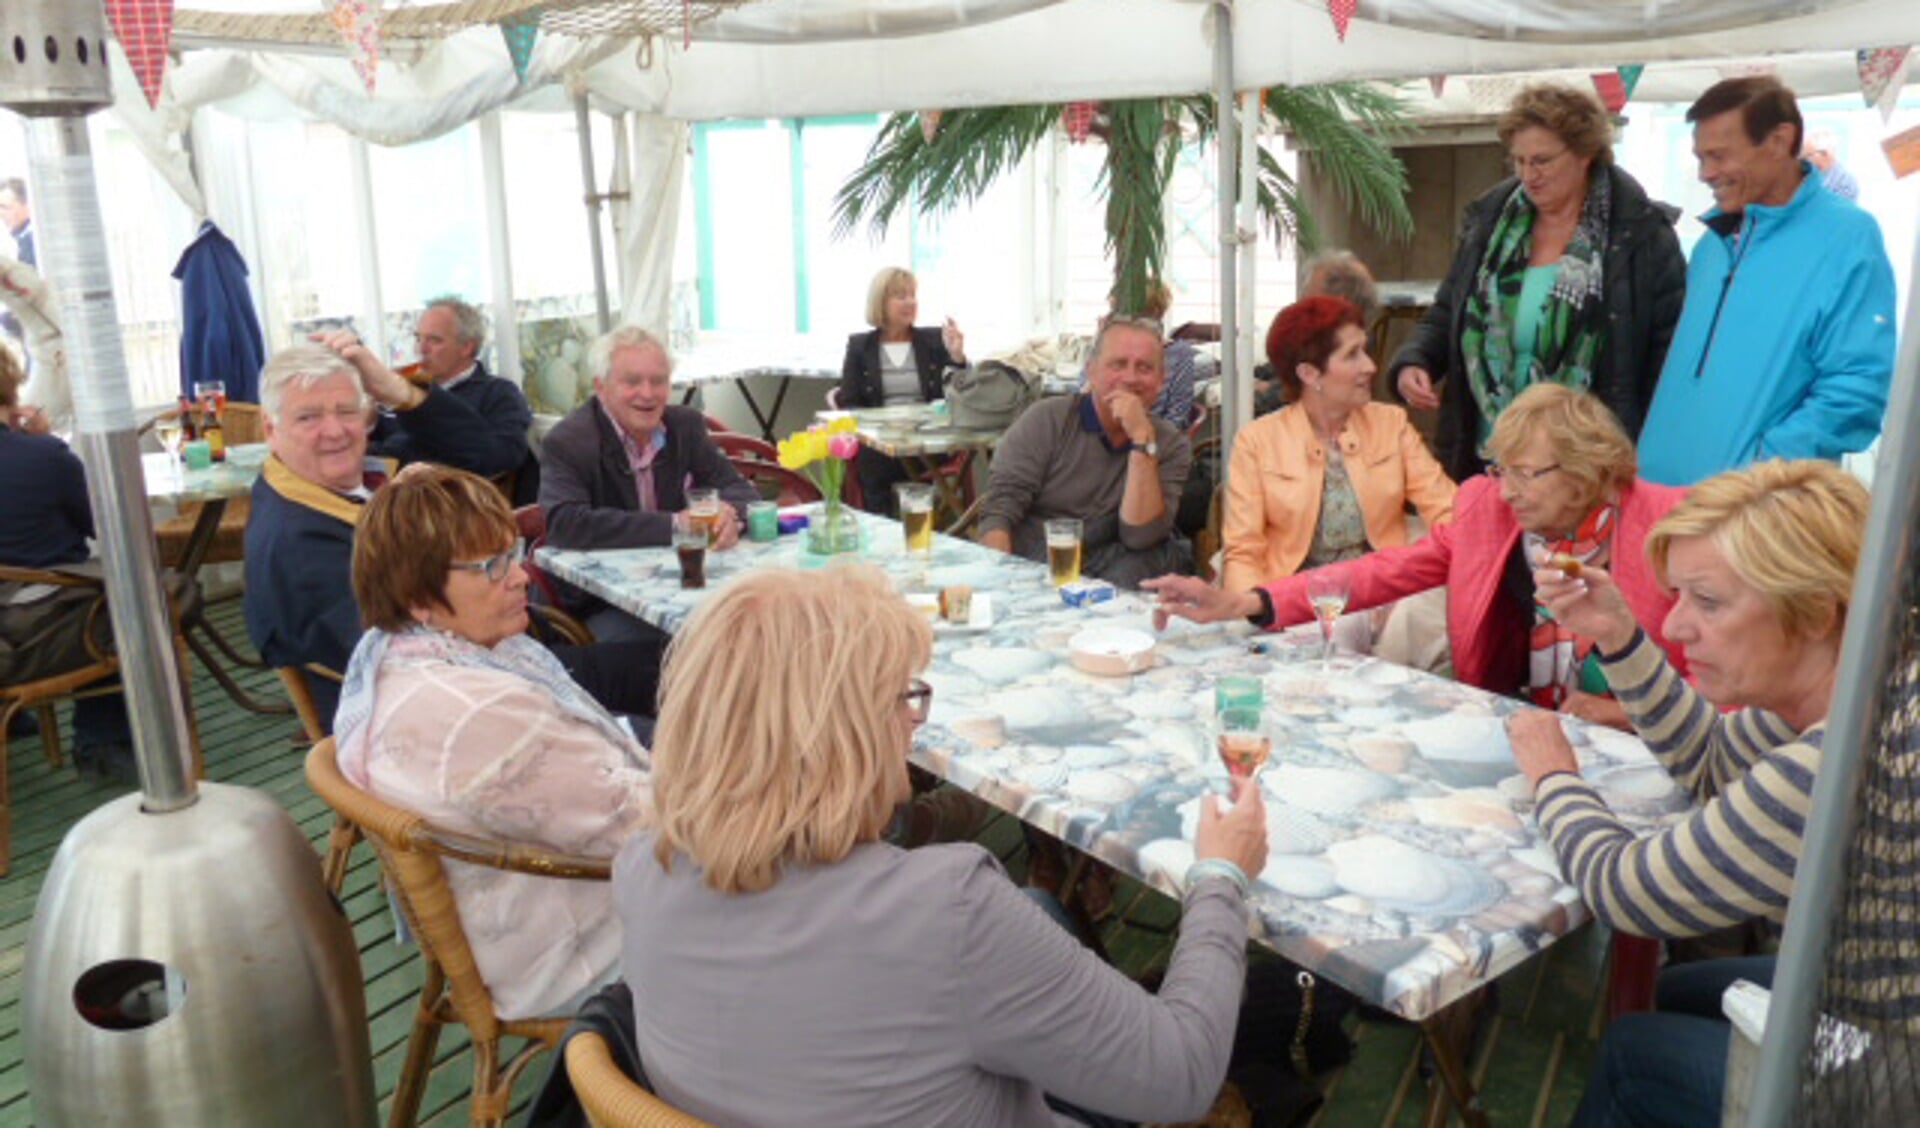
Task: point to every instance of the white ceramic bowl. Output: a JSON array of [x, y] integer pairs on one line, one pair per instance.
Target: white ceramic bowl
[[1111, 651]]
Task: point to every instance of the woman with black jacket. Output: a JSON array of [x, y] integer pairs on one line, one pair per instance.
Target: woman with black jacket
[[1566, 271], [895, 363]]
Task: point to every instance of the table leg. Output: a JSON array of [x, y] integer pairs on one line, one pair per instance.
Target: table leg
[[686, 397], [1449, 1038], [200, 538], [927, 469], [765, 419]]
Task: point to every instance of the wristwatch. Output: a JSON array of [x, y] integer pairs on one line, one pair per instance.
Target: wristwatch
[[1150, 448]]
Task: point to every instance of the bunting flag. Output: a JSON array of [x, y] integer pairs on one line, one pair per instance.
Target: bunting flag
[[1342, 13], [520, 31], [1437, 83], [1903, 152], [358, 22], [1883, 72], [1612, 91], [144, 29], [929, 125], [1630, 76], [1078, 120]]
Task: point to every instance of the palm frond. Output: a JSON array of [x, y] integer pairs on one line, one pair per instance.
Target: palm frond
[[971, 150], [1140, 156], [1357, 162]]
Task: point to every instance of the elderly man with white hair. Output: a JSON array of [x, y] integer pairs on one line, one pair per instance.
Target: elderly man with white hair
[[306, 505]]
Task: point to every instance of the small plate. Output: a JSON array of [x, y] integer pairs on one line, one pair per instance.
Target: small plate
[[1111, 651], [979, 619]]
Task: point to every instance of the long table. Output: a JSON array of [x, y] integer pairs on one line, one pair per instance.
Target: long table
[[1404, 862]]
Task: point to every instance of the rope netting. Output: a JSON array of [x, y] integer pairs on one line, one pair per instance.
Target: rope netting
[[1863, 1065], [437, 21]]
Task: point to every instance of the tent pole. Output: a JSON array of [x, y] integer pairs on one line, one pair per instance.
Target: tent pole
[[506, 321], [1225, 137], [1249, 220], [1867, 654], [583, 121]]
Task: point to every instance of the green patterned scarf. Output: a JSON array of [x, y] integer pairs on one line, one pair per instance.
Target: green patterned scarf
[[1573, 322]]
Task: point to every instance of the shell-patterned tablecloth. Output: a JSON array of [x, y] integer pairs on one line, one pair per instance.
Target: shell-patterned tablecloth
[[1404, 862]]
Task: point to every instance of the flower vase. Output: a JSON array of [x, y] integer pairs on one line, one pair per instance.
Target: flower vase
[[832, 529]]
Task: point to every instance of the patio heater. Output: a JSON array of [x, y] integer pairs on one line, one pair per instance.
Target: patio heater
[[186, 965]]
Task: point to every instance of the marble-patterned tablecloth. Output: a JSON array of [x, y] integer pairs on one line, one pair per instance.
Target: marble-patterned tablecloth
[[1405, 864], [170, 482], [916, 429]]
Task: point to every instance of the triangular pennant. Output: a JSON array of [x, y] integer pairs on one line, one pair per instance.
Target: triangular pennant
[[929, 125], [1077, 118], [1342, 13], [520, 31], [358, 22], [1882, 74], [1630, 76], [1437, 83], [144, 29], [1612, 91]]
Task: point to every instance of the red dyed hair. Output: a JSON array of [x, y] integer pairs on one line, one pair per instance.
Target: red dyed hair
[[1304, 333]]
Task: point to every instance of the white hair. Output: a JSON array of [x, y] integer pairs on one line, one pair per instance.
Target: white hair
[[600, 356], [302, 366]]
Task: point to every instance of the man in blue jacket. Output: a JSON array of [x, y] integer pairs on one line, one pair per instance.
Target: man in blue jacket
[[1785, 345], [460, 416]]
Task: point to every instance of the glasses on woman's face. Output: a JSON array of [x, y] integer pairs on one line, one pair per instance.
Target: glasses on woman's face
[[1524, 165], [919, 698], [496, 567], [1521, 475]]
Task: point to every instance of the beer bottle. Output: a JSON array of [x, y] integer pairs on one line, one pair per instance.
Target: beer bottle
[[188, 430], [216, 438]]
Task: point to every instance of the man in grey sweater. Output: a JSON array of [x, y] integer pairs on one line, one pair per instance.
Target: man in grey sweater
[[1101, 457]]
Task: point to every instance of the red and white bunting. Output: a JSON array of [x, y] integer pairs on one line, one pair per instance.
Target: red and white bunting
[[1437, 83], [358, 22], [1883, 71], [1077, 119], [1612, 91], [929, 125], [1342, 13], [144, 29]]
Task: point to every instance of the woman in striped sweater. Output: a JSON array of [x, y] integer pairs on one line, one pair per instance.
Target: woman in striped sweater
[[1761, 561]]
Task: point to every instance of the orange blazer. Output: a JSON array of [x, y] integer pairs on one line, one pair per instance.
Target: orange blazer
[[1279, 467]]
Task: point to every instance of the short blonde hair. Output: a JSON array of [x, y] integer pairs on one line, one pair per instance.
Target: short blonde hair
[[413, 530], [778, 739], [1576, 117], [1790, 530], [891, 281], [1589, 444], [303, 365]]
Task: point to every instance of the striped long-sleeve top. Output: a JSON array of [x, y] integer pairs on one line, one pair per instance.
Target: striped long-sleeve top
[[1730, 860]]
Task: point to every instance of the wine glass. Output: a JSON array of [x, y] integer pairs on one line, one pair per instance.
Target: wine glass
[[1244, 740], [168, 429], [1328, 590]]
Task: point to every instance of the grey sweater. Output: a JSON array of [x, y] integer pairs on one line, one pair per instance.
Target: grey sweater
[[917, 987], [1049, 465]]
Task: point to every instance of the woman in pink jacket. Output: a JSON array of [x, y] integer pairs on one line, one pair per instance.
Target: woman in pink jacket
[[451, 710], [1562, 487]]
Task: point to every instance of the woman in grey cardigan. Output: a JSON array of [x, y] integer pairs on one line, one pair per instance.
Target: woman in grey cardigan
[[790, 967]]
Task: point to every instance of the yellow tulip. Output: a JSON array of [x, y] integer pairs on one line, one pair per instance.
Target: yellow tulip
[[841, 424], [793, 453]]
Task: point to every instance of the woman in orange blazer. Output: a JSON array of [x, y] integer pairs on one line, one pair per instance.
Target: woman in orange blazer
[[1328, 477]]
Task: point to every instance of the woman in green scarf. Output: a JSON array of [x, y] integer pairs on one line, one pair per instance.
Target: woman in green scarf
[[1566, 271]]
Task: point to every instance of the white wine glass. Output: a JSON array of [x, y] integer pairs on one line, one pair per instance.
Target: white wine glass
[[1328, 590]]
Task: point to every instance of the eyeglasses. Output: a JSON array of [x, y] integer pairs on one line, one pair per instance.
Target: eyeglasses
[[1519, 474], [919, 697], [496, 567], [1536, 164]]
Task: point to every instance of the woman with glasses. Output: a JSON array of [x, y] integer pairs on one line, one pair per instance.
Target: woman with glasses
[[1561, 491], [1566, 271], [451, 710], [790, 967]]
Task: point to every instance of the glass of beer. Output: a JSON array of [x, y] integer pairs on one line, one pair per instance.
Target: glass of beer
[[1063, 549], [690, 542], [916, 517], [704, 507]]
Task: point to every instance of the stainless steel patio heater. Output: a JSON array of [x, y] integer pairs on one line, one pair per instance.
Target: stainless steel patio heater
[[186, 965]]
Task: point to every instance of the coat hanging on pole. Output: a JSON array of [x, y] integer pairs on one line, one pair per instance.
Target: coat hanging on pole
[[219, 331]]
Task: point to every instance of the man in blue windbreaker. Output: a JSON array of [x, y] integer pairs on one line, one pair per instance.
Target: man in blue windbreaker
[[1785, 344]]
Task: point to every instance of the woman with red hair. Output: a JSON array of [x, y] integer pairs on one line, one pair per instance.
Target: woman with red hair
[[1328, 477]]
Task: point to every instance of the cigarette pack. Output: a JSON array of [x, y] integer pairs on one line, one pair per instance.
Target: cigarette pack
[[1085, 593], [792, 523]]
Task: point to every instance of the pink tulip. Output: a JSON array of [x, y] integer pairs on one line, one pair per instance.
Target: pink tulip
[[842, 446]]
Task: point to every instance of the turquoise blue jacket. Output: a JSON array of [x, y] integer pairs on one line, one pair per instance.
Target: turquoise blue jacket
[[1785, 345]]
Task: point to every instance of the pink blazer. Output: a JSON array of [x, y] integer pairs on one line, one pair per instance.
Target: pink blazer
[[1469, 556]]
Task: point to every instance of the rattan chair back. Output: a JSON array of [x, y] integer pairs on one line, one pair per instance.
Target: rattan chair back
[[610, 1097]]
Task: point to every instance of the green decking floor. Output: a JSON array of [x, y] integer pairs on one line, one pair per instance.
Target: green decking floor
[[1530, 1063]]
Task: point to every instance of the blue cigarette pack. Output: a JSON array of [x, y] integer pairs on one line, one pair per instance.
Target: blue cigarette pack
[[1086, 593], [792, 523]]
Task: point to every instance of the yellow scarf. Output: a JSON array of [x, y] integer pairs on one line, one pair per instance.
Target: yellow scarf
[[283, 481]]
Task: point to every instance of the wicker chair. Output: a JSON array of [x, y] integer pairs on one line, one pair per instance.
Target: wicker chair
[[82, 681], [411, 850], [343, 836], [611, 1098]]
